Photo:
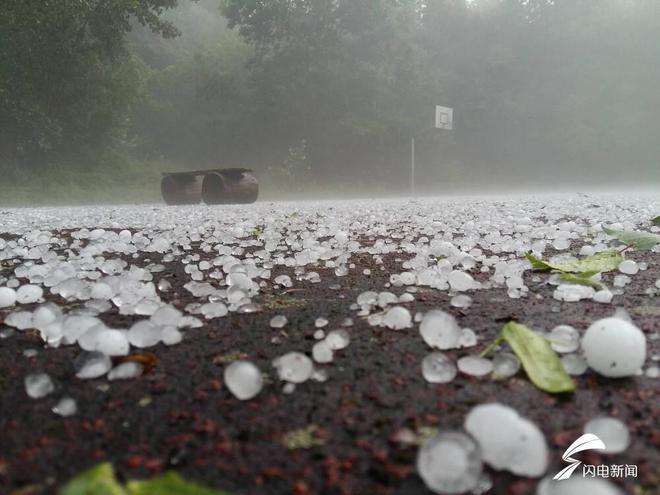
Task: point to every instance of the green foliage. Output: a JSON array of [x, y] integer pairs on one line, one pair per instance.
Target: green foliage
[[644, 241], [66, 78], [656, 220], [101, 480], [605, 261], [248, 81], [169, 484], [540, 362]]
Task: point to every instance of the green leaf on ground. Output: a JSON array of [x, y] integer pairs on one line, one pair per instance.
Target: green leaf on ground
[[169, 484], [605, 261], [656, 220], [539, 361], [583, 279], [644, 241], [99, 480]]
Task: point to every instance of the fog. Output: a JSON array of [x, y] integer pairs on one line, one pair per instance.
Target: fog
[[323, 98]]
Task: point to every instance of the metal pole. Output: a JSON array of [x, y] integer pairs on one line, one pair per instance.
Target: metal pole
[[412, 165]]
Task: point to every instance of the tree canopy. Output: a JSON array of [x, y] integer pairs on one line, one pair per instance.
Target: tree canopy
[[559, 90]]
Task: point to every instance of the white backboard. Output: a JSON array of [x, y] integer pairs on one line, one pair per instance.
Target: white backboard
[[444, 117]]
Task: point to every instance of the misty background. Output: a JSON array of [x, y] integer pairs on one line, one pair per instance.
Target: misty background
[[321, 98]]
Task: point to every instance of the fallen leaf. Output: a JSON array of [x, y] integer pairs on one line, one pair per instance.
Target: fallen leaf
[[605, 261], [99, 480], [644, 241], [540, 362], [169, 484]]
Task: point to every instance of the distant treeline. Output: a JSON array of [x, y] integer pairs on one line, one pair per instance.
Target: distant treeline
[[317, 91]]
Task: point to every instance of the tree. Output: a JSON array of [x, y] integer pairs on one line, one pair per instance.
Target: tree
[[66, 78]]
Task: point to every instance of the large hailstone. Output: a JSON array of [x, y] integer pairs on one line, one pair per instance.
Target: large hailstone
[[243, 379], [507, 440], [614, 347], [450, 462], [440, 330]]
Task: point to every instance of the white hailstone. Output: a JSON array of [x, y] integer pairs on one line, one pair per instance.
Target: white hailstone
[[189, 322], [322, 352], [101, 290], [621, 281], [614, 347], [146, 307], [112, 342], [657, 284], [587, 250], [125, 371], [319, 334], [27, 294], [293, 367], [144, 334], [613, 432], [75, 326], [283, 280], [278, 321], [574, 364], [338, 339], [320, 322], [45, 315], [475, 365], [397, 318], [440, 330], [21, 320], [368, 298], [603, 296], [461, 301], [564, 339], [92, 365], [507, 440], [629, 267], [438, 368], [468, 338], [341, 271], [7, 297], [164, 285], [450, 463], [170, 335], [573, 292], [243, 379], [407, 278], [577, 485], [38, 385], [65, 407], [319, 376], [387, 298], [460, 281], [213, 310], [289, 388], [166, 315], [248, 308], [505, 365], [406, 297]]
